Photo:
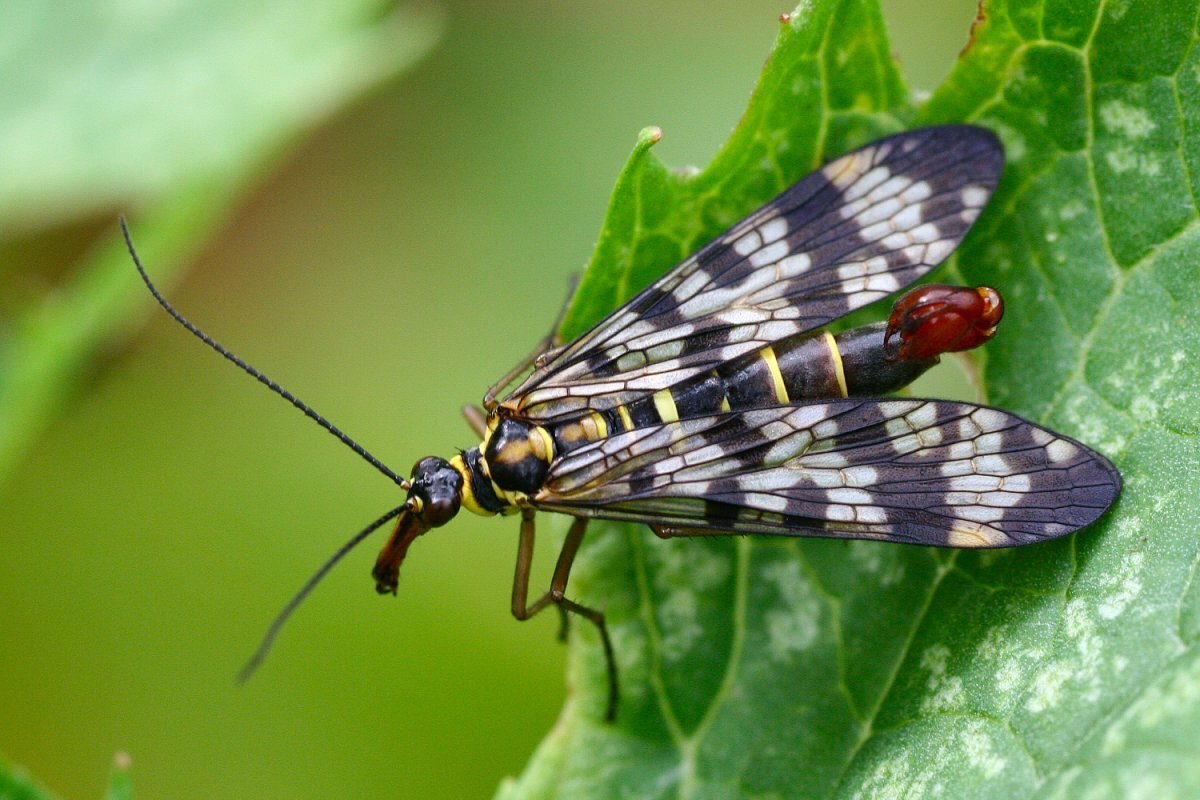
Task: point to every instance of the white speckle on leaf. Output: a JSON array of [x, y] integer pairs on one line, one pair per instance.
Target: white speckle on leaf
[[1047, 687], [1117, 8], [1116, 380], [1138, 778], [1127, 584], [1114, 738], [987, 558], [1126, 528], [989, 647], [679, 621], [1015, 147], [947, 695], [1164, 386], [793, 625], [945, 691], [866, 556], [1009, 660], [684, 573], [1148, 784], [1008, 677], [1074, 208], [1126, 159], [1125, 119], [633, 658], [934, 659], [1143, 407], [1090, 427], [699, 568], [896, 778], [1081, 629], [977, 746], [870, 558], [1178, 699], [805, 83]]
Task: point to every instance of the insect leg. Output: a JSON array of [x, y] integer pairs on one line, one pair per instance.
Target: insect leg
[[540, 353], [558, 587], [520, 594], [477, 418], [520, 591], [489, 398], [562, 572]]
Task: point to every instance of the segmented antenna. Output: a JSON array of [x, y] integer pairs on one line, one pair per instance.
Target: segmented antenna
[[254, 373], [282, 617], [264, 647]]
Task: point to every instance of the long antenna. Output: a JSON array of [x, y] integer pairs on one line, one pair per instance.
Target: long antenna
[[254, 373], [281, 618]]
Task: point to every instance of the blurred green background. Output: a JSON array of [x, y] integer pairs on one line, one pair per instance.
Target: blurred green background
[[390, 264]]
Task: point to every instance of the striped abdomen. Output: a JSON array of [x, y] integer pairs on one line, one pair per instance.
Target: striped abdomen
[[516, 454], [812, 367]]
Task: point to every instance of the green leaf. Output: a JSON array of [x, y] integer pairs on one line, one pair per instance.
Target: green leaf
[[15, 784], [120, 785], [168, 116], [765, 668]]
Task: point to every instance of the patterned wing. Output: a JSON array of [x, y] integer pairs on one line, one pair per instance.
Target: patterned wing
[[920, 471], [859, 229]]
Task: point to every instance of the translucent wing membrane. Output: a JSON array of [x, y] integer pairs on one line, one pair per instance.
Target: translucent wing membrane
[[861, 228], [919, 471]]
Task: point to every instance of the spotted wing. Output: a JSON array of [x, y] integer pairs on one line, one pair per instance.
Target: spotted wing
[[919, 471], [859, 229]]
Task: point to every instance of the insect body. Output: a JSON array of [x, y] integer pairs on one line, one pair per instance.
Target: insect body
[[714, 403]]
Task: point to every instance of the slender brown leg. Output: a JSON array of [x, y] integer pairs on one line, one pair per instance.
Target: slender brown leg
[[489, 397], [558, 587], [520, 590], [477, 418], [541, 352]]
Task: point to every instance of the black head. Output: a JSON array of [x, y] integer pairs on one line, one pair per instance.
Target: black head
[[434, 497], [436, 491]]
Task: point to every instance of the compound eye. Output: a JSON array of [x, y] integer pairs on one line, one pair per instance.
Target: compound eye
[[440, 510]]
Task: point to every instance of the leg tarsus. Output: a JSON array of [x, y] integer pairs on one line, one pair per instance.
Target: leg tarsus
[[610, 661], [564, 623]]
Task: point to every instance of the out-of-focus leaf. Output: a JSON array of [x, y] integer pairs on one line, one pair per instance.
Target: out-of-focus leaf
[[109, 104], [165, 112], [15, 784], [120, 785]]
